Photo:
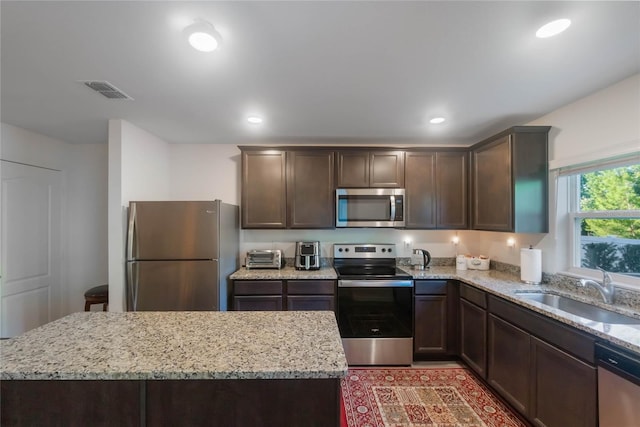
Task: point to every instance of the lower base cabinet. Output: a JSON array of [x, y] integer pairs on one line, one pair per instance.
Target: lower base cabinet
[[435, 319], [527, 367], [473, 329], [277, 295], [564, 388], [509, 362], [240, 403]]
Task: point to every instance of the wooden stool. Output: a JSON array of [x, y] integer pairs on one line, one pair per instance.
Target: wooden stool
[[97, 295]]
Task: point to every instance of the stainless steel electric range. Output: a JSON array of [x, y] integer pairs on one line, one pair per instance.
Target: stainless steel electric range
[[375, 305]]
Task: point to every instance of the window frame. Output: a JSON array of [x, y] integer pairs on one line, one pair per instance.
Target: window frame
[[573, 268]]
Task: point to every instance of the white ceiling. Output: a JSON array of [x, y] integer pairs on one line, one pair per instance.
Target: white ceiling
[[356, 71]]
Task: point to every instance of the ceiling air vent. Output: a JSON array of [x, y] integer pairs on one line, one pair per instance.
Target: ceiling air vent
[[106, 89]]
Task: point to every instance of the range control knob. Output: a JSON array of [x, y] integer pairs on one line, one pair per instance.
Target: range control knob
[[346, 250], [339, 249], [383, 250], [389, 250]]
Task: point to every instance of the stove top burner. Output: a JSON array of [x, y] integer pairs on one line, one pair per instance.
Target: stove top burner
[[367, 262]]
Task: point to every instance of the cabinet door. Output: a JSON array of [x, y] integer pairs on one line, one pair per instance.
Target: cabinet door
[[257, 303], [492, 186], [451, 190], [263, 189], [509, 362], [386, 169], [473, 336], [430, 325], [311, 302], [420, 190], [353, 169], [310, 189], [564, 388]]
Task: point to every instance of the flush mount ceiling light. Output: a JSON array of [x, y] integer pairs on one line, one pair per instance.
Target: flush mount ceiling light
[[203, 36], [553, 28], [436, 120], [254, 120]]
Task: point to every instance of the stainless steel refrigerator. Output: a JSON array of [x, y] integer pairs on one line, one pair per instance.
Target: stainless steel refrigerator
[[180, 255]]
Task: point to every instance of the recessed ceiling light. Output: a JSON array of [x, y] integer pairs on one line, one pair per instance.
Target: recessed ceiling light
[[203, 36], [436, 120], [553, 28], [254, 120]]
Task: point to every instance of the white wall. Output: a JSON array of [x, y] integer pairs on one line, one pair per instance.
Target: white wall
[[604, 124], [205, 172], [84, 197], [138, 170]]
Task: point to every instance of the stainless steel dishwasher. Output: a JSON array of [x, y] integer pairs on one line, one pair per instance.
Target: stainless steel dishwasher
[[618, 387]]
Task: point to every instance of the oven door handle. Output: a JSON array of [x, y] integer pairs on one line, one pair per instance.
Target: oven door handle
[[375, 283]]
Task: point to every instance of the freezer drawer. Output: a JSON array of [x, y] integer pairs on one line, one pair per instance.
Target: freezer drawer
[[172, 285]]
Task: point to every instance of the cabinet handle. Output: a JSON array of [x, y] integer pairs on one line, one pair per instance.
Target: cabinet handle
[[612, 361]]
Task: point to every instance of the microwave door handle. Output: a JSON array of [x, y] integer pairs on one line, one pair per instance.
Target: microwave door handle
[[392, 199]]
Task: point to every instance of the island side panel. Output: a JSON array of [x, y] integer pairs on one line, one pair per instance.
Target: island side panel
[[259, 402], [69, 403]]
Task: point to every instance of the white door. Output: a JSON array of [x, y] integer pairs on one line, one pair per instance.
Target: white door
[[30, 290]]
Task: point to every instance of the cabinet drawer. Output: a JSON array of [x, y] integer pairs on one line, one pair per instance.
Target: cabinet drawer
[[473, 295], [257, 303], [257, 287], [431, 287], [311, 287], [563, 337], [311, 302]]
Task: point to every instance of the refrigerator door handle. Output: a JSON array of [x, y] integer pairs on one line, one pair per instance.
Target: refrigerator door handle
[[132, 280], [131, 232]]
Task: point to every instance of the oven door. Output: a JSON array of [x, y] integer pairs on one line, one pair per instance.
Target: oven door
[[375, 319]]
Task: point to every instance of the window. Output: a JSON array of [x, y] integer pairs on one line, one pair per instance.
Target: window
[[605, 221]]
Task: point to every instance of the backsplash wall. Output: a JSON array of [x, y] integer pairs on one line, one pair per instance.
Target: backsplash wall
[[437, 242]]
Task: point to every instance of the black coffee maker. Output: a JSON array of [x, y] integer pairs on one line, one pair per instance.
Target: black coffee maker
[[307, 256]]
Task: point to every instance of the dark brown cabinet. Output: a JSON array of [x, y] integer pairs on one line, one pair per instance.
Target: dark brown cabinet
[[287, 188], [364, 169], [435, 318], [564, 388], [509, 361], [310, 189], [530, 365], [473, 329], [263, 197], [509, 174], [311, 295], [276, 295], [436, 189], [257, 295]]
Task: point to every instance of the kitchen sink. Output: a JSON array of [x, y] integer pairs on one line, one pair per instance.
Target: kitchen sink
[[579, 308]]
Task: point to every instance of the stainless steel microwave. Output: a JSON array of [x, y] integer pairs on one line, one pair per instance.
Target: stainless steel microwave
[[370, 207]]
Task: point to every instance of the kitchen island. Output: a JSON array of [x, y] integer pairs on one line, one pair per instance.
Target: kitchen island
[[175, 368]]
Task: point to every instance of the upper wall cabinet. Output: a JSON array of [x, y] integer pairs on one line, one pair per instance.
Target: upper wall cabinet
[[310, 189], [287, 188], [370, 169], [509, 173], [436, 189], [263, 189]]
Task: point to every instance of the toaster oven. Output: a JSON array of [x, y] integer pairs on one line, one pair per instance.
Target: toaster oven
[[264, 258]]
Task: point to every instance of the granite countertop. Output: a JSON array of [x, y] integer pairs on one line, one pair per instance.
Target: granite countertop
[[286, 273], [508, 286], [178, 345]]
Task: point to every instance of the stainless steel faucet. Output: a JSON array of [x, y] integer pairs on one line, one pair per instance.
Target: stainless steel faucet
[[605, 288]]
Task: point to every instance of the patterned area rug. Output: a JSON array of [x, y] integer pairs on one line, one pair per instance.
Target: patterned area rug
[[399, 397]]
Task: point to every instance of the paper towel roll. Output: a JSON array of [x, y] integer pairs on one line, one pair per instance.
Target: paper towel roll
[[531, 265]]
